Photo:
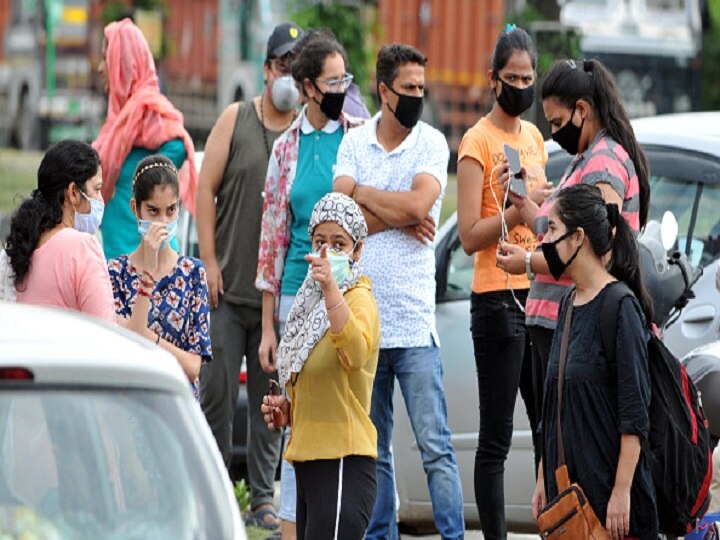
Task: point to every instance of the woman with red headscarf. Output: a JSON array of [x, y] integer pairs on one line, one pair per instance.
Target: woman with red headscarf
[[140, 122]]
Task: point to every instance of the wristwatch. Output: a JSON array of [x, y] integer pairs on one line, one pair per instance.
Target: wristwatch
[[528, 265]]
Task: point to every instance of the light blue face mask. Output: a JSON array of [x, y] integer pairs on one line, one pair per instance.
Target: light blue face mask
[[340, 264], [144, 227], [90, 223]]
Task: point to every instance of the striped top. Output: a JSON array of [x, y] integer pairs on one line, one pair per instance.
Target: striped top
[[604, 161]]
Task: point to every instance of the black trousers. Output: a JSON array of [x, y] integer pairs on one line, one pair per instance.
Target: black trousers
[[335, 497], [503, 361], [541, 339]]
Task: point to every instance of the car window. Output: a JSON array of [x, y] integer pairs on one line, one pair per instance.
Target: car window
[[93, 464], [678, 196], [460, 274]]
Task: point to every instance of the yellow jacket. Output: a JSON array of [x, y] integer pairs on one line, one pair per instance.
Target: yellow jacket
[[330, 402]]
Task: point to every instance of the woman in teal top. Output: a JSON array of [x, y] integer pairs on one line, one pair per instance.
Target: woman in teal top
[[140, 122], [317, 151]]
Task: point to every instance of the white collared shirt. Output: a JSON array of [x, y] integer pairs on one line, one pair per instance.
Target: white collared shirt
[[306, 128], [402, 269]]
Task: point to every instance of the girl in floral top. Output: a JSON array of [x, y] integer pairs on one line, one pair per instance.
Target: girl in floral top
[[159, 294]]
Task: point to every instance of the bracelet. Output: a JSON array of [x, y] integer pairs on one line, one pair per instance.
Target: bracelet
[[143, 292], [147, 284], [148, 274], [528, 265], [330, 310]]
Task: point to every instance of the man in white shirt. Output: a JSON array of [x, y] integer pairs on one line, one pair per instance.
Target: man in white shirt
[[395, 167]]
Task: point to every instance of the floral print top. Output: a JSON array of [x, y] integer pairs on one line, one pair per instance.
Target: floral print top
[[275, 229], [179, 309]]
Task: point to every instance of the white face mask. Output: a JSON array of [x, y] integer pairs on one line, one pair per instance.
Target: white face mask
[[90, 223], [284, 93], [340, 263]]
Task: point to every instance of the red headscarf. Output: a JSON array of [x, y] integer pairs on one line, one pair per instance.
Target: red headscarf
[[138, 114]]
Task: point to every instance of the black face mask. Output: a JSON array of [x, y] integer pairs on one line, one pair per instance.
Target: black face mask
[[515, 101], [555, 264], [408, 110], [568, 136], [331, 104]]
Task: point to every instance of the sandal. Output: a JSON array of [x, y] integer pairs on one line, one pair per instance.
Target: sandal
[[257, 519]]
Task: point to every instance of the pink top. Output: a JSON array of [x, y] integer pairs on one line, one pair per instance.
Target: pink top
[[69, 271]]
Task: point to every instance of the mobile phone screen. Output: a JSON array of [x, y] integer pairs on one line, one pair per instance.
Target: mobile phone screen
[[517, 186], [513, 158]]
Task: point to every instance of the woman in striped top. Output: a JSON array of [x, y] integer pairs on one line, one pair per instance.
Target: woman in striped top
[[584, 108]]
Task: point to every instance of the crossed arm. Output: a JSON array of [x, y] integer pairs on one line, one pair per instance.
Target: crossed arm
[[407, 210]]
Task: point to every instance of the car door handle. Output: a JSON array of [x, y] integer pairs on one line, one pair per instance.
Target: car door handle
[[699, 315]]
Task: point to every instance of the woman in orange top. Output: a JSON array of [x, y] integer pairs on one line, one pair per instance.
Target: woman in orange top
[[485, 214]]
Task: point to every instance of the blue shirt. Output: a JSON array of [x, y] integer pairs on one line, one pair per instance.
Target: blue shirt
[[317, 153], [179, 310], [119, 227]]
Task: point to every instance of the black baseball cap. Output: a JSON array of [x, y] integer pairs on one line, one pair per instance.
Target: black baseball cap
[[282, 40]]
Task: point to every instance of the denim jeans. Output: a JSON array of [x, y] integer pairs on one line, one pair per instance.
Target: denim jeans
[[419, 372], [502, 358], [288, 487]]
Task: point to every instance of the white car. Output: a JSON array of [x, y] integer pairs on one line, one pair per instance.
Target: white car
[[100, 437]]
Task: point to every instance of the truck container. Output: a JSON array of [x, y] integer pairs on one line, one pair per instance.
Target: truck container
[[216, 53], [653, 48], [458, 37]]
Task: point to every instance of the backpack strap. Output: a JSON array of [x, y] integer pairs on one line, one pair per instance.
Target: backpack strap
[[617, 290], [564, 344]]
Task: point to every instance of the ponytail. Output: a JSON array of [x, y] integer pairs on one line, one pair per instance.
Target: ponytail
[[625, 265], [66, 162], [567, 83], [33, 217], [583, 206], [608, 104]]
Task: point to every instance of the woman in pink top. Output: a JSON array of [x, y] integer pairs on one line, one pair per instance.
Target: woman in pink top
[[52, 258]]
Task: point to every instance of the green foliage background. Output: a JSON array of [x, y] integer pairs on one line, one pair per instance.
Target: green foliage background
[[711, 60], [550, 45], [349, 25]]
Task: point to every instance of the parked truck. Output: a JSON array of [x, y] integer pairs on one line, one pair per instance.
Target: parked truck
[[458, 37], [216, 54], [46, 72], [653, 47]]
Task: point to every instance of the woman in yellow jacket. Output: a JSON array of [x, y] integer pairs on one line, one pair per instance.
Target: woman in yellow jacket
[[326, 362]]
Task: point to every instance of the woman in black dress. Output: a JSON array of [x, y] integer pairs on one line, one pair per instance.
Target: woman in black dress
[[605, 412]]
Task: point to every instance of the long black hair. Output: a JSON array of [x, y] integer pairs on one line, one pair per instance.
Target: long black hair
[[582, 205], [590, 80], [66, 162]]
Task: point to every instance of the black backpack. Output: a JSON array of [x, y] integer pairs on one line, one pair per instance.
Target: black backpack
[[678, 448]]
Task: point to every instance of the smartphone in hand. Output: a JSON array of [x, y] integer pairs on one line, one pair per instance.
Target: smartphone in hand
[[274, 390], [517, 185]]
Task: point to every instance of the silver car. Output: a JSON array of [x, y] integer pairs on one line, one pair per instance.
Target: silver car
[[100, 437], [684, 156]]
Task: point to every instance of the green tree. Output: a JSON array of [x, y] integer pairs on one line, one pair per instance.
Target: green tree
[[711, 59], [347, 23], [551, 41]]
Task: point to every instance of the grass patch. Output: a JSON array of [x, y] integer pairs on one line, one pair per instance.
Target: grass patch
[[18, 176]]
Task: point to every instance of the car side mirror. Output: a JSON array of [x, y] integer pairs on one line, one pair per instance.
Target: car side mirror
[[668, 230]]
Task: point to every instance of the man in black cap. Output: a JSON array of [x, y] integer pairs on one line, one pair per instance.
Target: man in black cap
[[229, 211]]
